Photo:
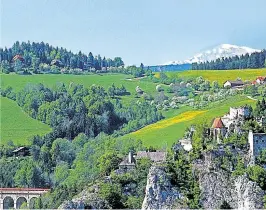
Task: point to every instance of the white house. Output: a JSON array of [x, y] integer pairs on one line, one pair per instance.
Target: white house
[[233, 84]]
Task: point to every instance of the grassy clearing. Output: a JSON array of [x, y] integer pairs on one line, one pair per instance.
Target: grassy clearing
[[16, 125], [220, 75], [166, 132]]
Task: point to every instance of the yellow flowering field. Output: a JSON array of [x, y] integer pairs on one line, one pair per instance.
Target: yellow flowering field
[[189, 115], [219, 75]]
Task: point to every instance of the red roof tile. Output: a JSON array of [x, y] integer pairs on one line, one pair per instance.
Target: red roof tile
[[217, 123]]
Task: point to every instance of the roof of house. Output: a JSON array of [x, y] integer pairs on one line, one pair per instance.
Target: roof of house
[[18, 57], [254, 82], [125, 162], [217, 123], [19, 149], [236, 82], [261, 78], [154, 156]]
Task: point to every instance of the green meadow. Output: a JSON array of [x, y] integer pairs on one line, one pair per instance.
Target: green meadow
[[18, 82], [16, 125]]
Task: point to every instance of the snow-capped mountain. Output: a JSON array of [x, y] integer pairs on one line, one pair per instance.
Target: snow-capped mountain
[[223, 50]]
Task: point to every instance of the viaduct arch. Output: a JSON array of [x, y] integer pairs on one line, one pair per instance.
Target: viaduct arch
[[14, 197]]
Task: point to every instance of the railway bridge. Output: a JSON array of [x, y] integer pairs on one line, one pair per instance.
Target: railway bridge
[[14, 197]]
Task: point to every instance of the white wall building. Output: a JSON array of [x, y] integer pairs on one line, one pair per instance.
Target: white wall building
[[257, 142]]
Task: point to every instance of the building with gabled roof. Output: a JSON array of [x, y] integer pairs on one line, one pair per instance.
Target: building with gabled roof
[[128, 163], [18, 57], [234, 84], [157, 156], [261, 80], [218, 130]]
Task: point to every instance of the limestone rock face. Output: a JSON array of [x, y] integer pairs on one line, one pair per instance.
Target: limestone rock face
[[160, 194], [219, 186], [87, 199]]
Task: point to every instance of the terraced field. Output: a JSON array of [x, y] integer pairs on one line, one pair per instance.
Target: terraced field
[[16, 125]]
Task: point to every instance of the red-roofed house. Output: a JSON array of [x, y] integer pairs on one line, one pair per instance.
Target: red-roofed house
[[218, 129], [261, 80], [18, 57]]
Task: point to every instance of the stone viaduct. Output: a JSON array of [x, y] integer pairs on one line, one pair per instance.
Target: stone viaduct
[[14, 197]]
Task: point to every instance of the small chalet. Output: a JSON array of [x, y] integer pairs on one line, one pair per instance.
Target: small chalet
[[128, 163], [233, 84], [57, 62], [21, 151]]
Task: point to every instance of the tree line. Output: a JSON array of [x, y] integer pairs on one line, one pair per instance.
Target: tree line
[[31, 55], [247, 61]]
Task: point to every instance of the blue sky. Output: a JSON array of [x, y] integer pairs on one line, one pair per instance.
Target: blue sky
[[148, 31]]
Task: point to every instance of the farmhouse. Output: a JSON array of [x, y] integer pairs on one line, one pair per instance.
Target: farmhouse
[[257, 142], [261, 80], [129, 163], [157, 156], [57, 62], [21, 151], [233, 84]]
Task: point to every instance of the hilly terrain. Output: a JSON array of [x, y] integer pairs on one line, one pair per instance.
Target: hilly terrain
[[171, 129]]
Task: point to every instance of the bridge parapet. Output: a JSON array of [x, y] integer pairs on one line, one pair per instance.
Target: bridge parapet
[[19, 193]]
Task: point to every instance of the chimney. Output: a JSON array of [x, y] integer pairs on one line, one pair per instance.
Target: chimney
[[130, 157]]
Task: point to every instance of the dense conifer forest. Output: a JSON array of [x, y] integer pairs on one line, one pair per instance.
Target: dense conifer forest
[[32, 54], [252, 61]]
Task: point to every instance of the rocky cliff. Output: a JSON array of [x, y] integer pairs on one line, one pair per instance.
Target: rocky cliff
[[219, 187], [160, 194], [87, 199]]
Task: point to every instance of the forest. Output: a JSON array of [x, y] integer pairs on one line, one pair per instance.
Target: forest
[[34, 56], [252, 61]]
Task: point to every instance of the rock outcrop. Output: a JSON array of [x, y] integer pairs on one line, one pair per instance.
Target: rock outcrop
[[87, 199], [160, 194], [219, 187]]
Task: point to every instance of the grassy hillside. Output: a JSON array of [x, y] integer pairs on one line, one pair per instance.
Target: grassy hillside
[[18, 82], [16, 125], [220, 75], [166, 132]]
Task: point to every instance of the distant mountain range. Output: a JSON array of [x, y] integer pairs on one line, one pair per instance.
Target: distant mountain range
[[223, 50]]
